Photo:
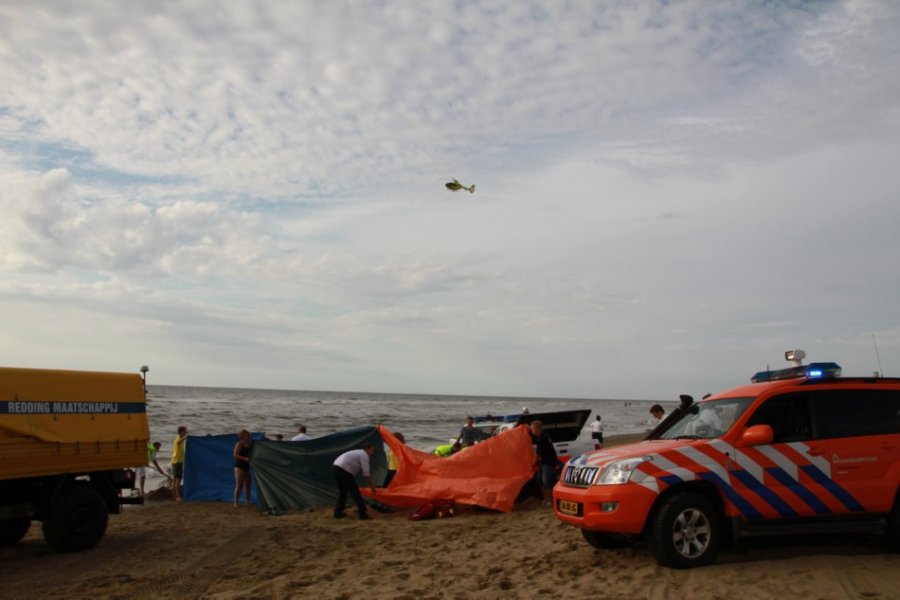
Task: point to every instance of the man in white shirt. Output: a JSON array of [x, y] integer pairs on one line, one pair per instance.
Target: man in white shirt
[[346, 467], [301, 434], [597, 433]]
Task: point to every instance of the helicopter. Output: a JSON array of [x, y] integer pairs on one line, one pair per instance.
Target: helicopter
[[455, 186]]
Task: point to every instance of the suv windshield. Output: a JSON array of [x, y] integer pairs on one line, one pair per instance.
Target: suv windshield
[[708, 419]]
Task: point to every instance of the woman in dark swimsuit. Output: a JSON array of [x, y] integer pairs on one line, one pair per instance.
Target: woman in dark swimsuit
[[241, 455]]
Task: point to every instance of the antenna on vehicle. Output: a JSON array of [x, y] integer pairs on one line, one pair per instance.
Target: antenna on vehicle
[[880, 371]]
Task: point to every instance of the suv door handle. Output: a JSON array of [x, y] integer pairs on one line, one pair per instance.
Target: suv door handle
[[815, 452]]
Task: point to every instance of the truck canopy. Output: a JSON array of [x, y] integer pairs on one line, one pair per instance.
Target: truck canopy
[[70, 421]]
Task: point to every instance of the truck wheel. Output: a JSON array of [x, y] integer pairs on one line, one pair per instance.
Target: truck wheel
[[603, 541], [685, 532], [76, 520], [13, 530]]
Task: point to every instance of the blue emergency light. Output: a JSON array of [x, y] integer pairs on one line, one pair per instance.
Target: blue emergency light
[[813, 371]]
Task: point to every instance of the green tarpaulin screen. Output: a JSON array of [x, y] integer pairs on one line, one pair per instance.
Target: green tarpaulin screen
[[297, 475]]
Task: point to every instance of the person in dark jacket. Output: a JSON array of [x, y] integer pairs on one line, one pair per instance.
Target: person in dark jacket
[[545, 460]]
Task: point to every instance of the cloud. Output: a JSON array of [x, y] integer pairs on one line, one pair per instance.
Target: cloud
[[654, 179], [54, 225], [276, 100]]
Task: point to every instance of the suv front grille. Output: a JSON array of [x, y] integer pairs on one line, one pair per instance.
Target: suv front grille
[[580, 476]]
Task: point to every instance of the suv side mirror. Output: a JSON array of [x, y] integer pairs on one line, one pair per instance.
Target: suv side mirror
[[758, 435]]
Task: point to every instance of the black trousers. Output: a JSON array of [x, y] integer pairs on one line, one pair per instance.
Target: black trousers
[[347, 483]]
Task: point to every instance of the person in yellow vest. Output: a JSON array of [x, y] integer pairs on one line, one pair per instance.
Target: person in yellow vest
[[447, 449], [178, 462], [141, 472], [393, 462]]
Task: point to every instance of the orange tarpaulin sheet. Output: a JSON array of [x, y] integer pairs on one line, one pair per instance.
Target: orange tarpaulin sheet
[[489, 474]]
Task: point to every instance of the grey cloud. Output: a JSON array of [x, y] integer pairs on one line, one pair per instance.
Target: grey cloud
[[51, 225], [654, 180], [276, 99]]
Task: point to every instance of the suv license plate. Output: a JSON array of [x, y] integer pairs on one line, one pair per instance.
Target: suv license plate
[[569, 508]]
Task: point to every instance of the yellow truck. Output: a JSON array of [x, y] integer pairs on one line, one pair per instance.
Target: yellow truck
[[69, 441]]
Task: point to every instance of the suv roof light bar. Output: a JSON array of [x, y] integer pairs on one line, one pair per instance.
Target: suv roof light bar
[[824, 370]]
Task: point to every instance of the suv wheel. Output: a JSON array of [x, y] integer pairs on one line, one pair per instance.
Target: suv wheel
[[685, 532]]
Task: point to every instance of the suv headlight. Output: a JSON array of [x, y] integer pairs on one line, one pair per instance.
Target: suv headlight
[[620, 471]]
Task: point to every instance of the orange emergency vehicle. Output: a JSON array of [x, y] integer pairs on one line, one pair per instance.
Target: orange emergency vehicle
[[799, 449]]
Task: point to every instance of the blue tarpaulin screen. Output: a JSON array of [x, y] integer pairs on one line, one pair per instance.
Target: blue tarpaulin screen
[[286, 475], [209, 467]]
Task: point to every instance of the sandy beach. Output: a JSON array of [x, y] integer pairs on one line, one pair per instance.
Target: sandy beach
[[211, 550]]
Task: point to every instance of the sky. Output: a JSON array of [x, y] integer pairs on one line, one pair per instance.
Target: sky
[[669, 195]]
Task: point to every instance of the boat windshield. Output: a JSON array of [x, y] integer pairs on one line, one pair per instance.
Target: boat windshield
[[707, 420]]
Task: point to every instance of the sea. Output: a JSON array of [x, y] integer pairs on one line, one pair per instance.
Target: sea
[[426, 420]]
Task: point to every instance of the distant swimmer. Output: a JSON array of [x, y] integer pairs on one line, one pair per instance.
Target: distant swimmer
[[455, 186]]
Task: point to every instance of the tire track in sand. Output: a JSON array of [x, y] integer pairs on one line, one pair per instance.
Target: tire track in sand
[[195, 578]]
